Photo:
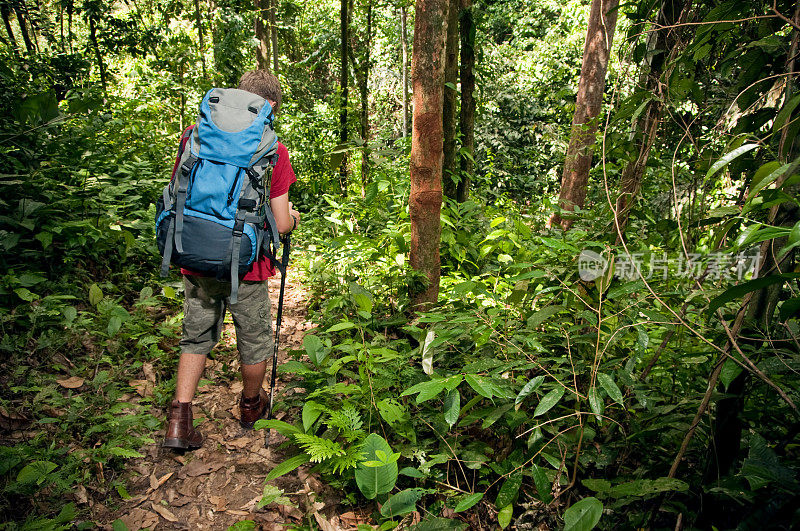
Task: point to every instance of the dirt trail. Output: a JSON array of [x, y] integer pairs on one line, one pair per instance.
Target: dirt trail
[[221, 483]]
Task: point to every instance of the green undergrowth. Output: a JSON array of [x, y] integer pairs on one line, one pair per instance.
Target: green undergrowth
[[527, 394], [81, 313]]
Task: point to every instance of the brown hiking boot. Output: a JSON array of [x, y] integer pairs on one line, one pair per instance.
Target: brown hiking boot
[[180, 431], [253, 409]]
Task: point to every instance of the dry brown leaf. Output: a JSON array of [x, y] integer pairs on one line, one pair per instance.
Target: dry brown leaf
[[139, 519], [149, 372], [183, 500], [81, 496], [199, 468], [324, 524], [163, 479], [240, 443], [164, 512], [220, 502], [73, 382], [143, 388], [237, 513]]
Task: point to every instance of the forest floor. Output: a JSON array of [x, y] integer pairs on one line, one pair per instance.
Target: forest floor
[[222, 482]]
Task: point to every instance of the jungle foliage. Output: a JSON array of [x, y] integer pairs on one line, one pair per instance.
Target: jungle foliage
[[532, 393]]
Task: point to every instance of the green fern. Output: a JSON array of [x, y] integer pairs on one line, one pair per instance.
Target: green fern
[[350, 459], [347, 421], [318, 448]]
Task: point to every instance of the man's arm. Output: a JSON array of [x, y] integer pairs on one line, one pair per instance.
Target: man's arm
[[286, 217]]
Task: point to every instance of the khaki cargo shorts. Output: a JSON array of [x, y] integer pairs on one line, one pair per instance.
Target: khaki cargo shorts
[[204, 310]]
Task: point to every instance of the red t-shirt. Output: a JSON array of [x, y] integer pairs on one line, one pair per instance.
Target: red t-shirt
[[282, 178]]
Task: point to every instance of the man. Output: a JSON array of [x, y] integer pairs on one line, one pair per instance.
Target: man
[[207, 298]]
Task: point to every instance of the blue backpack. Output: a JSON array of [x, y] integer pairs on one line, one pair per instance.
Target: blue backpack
[[214, 216]]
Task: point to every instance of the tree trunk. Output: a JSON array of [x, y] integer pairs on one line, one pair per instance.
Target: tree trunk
[[664, 43], [450, 102], [575, 179], [273, 31], [23, 28], [467, 117], [404, 45], [263, 55], [425, 200], [344, 22], [98, 55], [364, 89], [5, 11], [201, 39]]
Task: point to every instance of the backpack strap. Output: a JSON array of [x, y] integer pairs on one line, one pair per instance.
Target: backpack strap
[[183, 186]]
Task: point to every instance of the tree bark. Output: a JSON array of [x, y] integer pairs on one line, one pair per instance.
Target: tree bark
[[273, 31], [344, 22], [425, 200], [596, 52], [364, 89], [98, 55], [200, 37], [467, 117], [404, 46], [5, 11], [665, 44], [23, 28], [263, 54], [450, 103]]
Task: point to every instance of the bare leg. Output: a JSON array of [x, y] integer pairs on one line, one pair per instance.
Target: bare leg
[[253, 378], [190, 369]]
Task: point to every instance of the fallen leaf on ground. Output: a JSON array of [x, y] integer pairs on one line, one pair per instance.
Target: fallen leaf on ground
[[156, 483], [81, 496], [73, 382], [324, 524], [180, 502], [139, 519], [149, 372], [163, 511], [220, 503], [237, 513], [199, 468], [143, 388]]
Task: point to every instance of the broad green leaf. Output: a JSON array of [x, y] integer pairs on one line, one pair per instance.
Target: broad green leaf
[[597, 485], [744, 288], [427, 353], [495, 415], [790, 308], [647, 487], [338, 327], [287, 466], [35, 472], [375, 480], [452, 407], [549, 401], [468, 501], [583, 515], [529, 388], [792, 241], [119, 525], [481, 385], [730, 370], [542, 315], [95, 294], [314, 348], [284, 428], [434, 524], [401, 503], [596, 403], [762, 181], [728, 157], [607, 382], [412, 472], [784, 114], [26, 294], [504, 516], [273, 494], [242, 525], [426, 390], [311, 412], [543, 485], [508, 491]]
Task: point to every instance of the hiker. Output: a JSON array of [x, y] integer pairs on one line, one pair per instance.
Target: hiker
[[207, 299]]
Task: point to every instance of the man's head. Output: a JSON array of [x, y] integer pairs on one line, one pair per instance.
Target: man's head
[[264, 84]]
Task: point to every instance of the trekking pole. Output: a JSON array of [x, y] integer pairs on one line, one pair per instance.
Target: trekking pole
[[286, 239]]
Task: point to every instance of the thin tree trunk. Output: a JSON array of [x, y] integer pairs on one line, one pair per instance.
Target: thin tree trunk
[[344, 22], [404, 46], [467, 118], [665, 43], [263, 54], [273, 31], [201, 39], [70, 11], [596, 52], [182, 101], [364, 88], [5, 11], [450, 104], [23, 29], [425, 200], [98, 55]]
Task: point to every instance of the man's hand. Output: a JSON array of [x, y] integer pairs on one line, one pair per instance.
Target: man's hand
[[295, 215]]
